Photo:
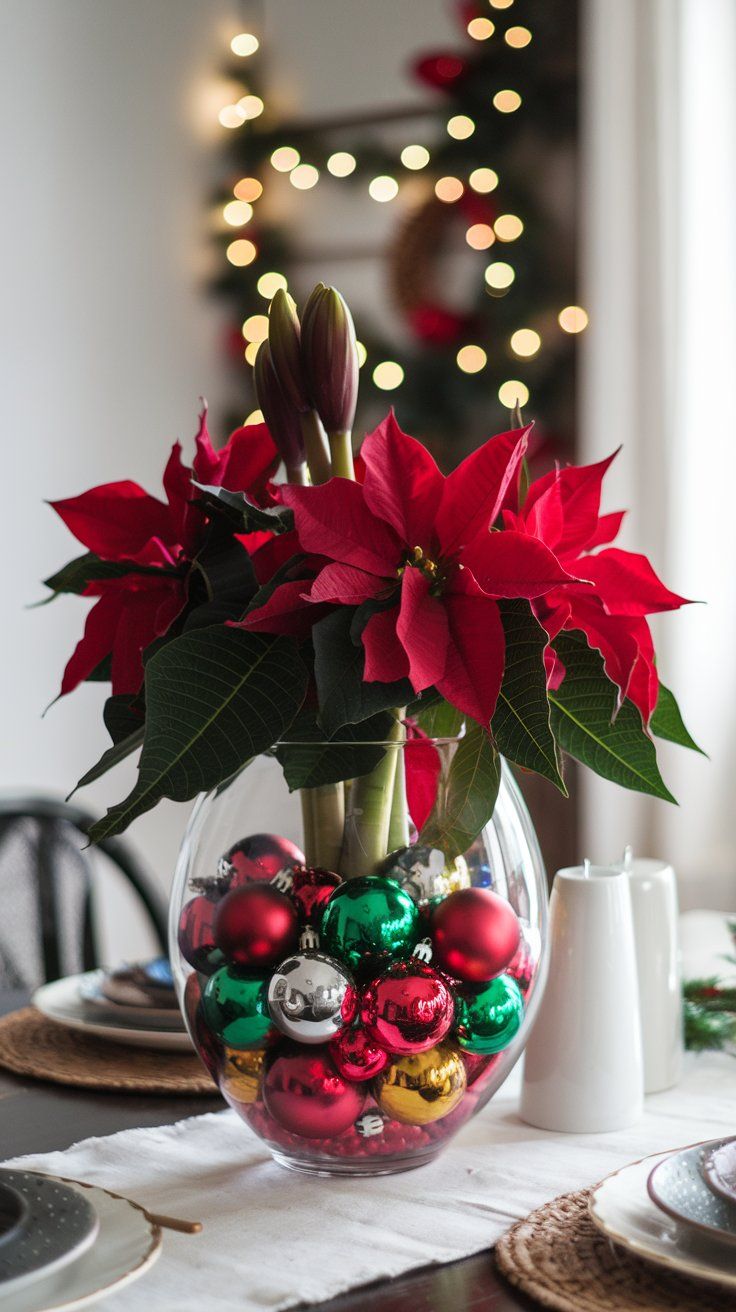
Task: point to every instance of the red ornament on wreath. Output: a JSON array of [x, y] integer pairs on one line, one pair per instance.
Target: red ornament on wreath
[[408, 1008], [256, 926], [304, 1091], [357, 1056], [441, 70], [475, 934], [258, 857]]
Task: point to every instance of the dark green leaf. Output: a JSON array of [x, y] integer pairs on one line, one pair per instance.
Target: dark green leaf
[[521, 721], [118, 752], [667, 721], [213, 698], [309, 760], [226, 569], [366, 610], [440, 719], [244, 515], [89, 568], [123, 713], [583, 722], [465, 802], [289, 570], [344, 697]]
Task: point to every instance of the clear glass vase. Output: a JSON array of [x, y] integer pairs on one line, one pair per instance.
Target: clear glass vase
[[350, 1021]]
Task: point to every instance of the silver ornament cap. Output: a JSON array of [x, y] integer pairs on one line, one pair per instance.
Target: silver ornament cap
[[311, 997]]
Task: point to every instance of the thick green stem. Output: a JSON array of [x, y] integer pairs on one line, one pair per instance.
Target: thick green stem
[[342, 454], [298, 474], [305, 797], [316, 447], [369, 814], [328, 817], [398, 829]]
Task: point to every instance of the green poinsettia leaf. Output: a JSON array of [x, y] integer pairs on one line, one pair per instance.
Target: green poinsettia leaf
[[344, 697], [119, 751], [225, 568], [466, 799], [583, 722], [521, 722], [242, 513], [123, 713], [439, 719], [214, 697], [90, 568], [667, 722], [309, 759]]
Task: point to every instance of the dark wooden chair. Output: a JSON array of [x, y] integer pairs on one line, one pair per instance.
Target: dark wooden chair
[[49, 880]]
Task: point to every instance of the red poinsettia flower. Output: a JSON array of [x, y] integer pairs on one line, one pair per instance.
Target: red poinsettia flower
[[422, 545], [562, 510], [158, 540]]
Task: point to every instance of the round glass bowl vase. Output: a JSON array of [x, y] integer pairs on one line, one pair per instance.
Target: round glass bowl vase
[[355, 1021]]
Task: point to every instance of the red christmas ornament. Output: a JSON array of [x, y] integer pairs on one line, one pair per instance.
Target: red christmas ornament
[[256, 926], [304, 1091], [196, 935], [311, 888], [408, 1008], [257, 858], [442, 70], [209, 1050], [356, 1055], [192, 998], [435, 323], [475, 934], [522, 966]]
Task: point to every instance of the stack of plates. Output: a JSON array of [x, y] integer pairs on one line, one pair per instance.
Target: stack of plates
[[677, 1210], [132, 1005], [63, 1246]]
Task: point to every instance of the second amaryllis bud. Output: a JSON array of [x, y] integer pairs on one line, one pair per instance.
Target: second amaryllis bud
[[281, 416], [284, 344], [330, 358]]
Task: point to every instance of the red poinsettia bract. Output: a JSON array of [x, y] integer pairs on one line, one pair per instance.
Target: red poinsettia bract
[[562, 510], [421, 545], [158, 539]]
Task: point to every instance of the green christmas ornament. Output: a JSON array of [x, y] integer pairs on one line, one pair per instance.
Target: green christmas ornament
[[235, 1008], [487, 1020], [368, 922]]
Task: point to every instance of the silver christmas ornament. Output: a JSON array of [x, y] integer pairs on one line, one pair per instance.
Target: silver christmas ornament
[[311, 997], [369, 1124], [425, 873]]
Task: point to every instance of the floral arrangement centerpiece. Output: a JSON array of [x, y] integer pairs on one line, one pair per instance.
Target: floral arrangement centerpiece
[[381, 638]]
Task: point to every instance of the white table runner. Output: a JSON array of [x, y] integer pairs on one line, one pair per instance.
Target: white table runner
[[272, 1238]]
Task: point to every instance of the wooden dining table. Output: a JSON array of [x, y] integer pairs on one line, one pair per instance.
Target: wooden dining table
[[36, 1117]]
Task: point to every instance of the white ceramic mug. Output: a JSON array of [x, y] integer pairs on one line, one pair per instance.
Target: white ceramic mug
[[583, 1070], [654, 907]]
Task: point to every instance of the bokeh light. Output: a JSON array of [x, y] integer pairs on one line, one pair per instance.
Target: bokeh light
[[448, 189], [471, 359], [237, 213], [255, 328], [241, 252], [513, 393], [480, 28], [252, 106], [460, 127], [383, 188], [248, 189], [341, 164], [285, 158], [388, 375], [525, 342], [231, 116], [480, 236], [483, 180], [415, 157], [361, 353], [244, 44], [506, 102], [255, 416], [573, 319], [251, 351], [270, 283], [517, 37], [508, 227], [304, 176], [499, 275]]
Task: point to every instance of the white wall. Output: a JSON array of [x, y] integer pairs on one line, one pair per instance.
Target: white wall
[[108, 114]]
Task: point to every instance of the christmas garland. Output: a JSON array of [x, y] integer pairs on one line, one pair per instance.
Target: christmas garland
[[710, 1009]]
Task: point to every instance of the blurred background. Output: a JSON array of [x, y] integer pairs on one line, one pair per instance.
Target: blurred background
[[516, 199]]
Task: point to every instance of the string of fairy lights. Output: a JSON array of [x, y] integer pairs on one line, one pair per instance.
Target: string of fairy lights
[[505, 229]]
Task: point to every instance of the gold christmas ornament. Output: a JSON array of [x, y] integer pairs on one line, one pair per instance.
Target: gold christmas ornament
[[241, 1075], [422, 1087]]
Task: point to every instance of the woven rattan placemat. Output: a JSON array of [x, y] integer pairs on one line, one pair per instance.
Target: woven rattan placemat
[[558, 1257], [30, 1044]]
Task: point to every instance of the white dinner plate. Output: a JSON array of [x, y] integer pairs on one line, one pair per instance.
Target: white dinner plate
[[623, 1210], [60, 1001], [127, 1244]]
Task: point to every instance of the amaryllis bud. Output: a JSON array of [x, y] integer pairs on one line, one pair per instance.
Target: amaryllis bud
[[284, 343], [330, 358], [282, 418]]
